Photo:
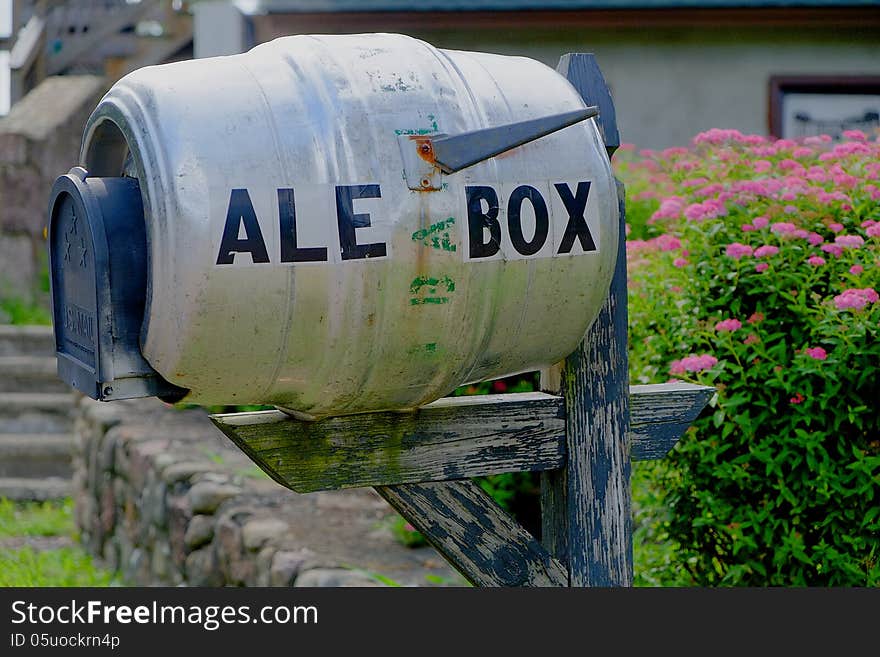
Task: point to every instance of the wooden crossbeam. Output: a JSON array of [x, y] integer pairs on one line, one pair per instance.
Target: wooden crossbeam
[[452, 438], [484, 544]]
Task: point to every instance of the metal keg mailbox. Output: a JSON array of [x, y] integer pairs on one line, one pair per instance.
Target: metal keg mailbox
[[346, 227], [330, 225]]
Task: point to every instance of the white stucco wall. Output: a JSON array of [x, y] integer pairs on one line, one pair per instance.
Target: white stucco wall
[[669, 85]]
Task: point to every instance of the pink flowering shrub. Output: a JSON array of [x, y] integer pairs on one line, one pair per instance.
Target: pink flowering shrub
[[760, 277]]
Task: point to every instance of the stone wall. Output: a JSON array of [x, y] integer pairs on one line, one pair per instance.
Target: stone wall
[[39, 141], [164, 498]]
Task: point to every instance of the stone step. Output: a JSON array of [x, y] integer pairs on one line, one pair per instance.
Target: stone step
[[36, 456], [31, 412], [30, 374], [26, 340], [21, 489]]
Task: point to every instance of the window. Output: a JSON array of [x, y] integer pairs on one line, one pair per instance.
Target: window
[[801, 106]]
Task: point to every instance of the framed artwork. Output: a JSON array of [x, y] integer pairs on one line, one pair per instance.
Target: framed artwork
[[807, 105]]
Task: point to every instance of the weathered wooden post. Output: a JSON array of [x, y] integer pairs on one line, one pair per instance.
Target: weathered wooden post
[[581, 434], [164, 283]]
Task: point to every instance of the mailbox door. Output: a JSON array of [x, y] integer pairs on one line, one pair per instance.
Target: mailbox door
[[77, 260]]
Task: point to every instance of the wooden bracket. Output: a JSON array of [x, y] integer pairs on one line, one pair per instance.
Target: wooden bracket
[[450, 439], [445, 443], [483, 542]]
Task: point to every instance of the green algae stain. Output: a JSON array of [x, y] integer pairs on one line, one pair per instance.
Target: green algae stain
[[437, 235], [425, 290], [418, 132], [429, 350]]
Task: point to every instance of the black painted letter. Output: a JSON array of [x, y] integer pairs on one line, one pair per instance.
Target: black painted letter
[[348, 222], [514, 220], [577, 224], [241, 211], [479, 220], [290, 252]]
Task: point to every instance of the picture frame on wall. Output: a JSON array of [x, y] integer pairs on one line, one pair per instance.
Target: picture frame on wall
[[809, 105]]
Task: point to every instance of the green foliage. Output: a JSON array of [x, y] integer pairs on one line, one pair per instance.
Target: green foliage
[[69, 566], [379, 577], [50, 518], [43, 282], [655, 553], [65, 566], [406, 533], [18, 311], [527, 382], [446, 581], [758, 275]]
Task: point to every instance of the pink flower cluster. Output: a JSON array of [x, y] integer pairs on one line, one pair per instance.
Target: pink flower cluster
[[833, 249], [670, 208], [664, 242], [728, 325], [855, 299], [752, 339], [737, 250], [717, 136], [849, 241], [818, 353], [783, 228], [766, 251], [693, 363], [797, 210], [707, 209]]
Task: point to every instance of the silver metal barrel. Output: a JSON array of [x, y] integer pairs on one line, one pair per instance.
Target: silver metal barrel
[[296, 256]]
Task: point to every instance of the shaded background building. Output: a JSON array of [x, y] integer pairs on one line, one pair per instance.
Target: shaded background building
[[56, 61], [675, 68]]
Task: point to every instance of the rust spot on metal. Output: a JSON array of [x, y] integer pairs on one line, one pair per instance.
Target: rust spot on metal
[[425, 148]]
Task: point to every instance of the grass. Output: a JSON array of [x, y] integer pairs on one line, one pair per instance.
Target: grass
[[62, 566], [17, 311], [36, 518], [67, 566]]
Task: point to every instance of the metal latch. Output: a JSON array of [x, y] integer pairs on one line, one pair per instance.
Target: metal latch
[[427, 157]]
